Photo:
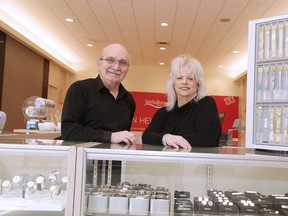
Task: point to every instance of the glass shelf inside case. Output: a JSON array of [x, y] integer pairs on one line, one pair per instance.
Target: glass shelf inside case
[[152, 180], [35, 179]]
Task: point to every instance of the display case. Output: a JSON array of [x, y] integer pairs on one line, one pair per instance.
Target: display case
[[152, 180], [267, 84], [36, 177]]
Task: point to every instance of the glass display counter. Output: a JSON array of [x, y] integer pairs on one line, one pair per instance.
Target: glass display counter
[[152, 180], [36, 177], [52, 177]]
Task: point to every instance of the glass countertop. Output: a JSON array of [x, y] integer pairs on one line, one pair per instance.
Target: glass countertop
[[211, 150], [158, 153], [155, 152]]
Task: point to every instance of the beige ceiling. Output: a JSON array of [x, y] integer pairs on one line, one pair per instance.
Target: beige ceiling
[[194, 27]]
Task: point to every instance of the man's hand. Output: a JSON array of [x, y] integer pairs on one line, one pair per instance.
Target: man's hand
[[123, 136]]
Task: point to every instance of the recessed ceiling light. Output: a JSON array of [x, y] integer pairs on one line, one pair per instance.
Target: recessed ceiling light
[[90, 45], [235, 51], [69, 19], [220, 66], [162, 48], [164, 24], [161, 63]]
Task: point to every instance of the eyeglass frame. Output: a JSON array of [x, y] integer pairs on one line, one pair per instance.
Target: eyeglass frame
[[121, 62]]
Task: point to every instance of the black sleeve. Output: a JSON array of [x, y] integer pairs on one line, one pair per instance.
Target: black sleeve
[[154, 132], [74, 108], [207, 125]]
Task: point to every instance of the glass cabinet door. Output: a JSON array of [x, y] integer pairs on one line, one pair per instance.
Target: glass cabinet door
[[149, 180], [36, 179]]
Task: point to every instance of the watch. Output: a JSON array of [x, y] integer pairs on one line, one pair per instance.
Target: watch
[[53, 176], [6, 186], [17, 180], [31, 187], [55, 190], [64, 179], [40, 180]]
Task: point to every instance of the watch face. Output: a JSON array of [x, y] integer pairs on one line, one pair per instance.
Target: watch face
[[6, 183], [6, 186], [40, 179], [16, 179], [64, 179], [52, 177], [52, 188], [30, 184]]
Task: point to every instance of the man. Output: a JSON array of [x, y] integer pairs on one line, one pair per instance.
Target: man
[[101, 109]]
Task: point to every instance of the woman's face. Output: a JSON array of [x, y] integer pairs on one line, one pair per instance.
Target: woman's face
[[185, 86]]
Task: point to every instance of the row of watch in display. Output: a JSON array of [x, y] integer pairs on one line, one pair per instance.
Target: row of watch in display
[[271, 124], [25, 186], [272, 82], [126, 198], [237, 202], [272, 40]]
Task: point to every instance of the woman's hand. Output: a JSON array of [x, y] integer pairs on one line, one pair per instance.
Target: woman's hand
[[175, 141]]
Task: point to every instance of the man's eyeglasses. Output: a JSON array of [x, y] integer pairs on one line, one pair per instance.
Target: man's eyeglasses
[[121, 62]]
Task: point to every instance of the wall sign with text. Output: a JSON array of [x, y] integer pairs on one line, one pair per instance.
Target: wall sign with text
[[147, 103]]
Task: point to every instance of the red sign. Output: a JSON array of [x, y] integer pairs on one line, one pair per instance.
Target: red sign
[[230, 106], [146, 106], [147, 103]]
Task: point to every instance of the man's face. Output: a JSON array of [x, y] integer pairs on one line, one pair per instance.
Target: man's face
[[114, 64]]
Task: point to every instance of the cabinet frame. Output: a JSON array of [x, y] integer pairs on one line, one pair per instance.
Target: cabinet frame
[[253, 62], [208, 157]]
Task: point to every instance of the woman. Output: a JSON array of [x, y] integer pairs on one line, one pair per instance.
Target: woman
[[190, 117]]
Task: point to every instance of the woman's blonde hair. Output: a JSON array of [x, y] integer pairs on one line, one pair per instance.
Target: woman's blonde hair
[[187, 63]]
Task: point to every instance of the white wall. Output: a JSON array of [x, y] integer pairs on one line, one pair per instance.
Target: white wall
[[59, 81], [147, 79], [153, 79], [222, 85]]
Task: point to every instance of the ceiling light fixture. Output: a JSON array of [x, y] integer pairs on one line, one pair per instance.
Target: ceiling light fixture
[[90, 45], [164, 24], [220, 66], [161, 63], [235, 51], [69, 20], [162, 48]]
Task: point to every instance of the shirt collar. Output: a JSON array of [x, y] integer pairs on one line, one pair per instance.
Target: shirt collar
[[100, 86]]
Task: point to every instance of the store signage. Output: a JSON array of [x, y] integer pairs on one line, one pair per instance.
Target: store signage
[[147, 103]]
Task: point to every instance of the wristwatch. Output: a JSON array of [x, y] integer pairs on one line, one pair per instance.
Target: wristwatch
[[6, 186], [64, 179], [55, 190], [16, 181], [31, 187], [53, 176], [40, 180]]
